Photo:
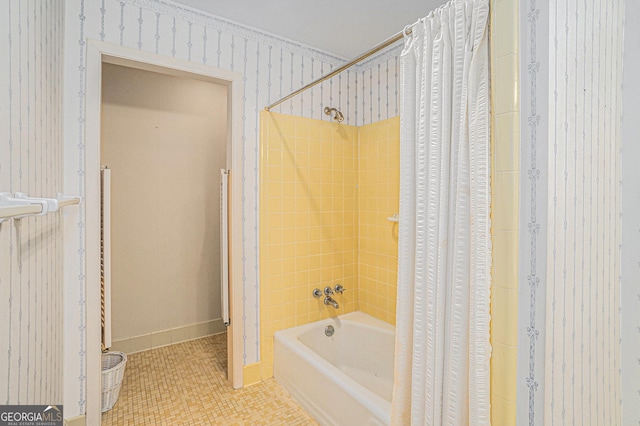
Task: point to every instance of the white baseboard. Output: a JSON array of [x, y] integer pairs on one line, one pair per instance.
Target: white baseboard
[[168, 337]]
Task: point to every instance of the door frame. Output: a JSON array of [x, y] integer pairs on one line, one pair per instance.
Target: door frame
[[98, 53]]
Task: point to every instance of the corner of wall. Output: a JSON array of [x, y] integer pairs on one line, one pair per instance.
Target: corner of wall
[[377, 199], [251, 374], [630, 222], [505, 177], [76, 421]]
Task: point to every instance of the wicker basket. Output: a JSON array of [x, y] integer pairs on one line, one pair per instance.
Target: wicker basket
[[112, 372]]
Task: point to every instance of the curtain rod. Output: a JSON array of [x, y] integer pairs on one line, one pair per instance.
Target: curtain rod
[[360, 58]]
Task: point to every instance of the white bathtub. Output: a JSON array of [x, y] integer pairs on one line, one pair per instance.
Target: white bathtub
[[346, 379]]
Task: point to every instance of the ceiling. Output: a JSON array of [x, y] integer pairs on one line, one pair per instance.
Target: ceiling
[[343, 28]]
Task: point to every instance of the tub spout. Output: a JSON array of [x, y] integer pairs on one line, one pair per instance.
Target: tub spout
[[328, 300]]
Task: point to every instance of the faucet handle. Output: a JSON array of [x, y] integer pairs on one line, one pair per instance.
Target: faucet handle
[[317, 293], [339, 288], [328, 291]]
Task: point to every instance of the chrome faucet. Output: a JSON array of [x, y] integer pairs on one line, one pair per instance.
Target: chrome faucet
[[328, 300]]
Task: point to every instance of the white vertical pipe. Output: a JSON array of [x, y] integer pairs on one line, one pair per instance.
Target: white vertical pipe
[[224, 246], [106, 230]]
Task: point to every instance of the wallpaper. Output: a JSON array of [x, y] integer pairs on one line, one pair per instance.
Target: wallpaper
[[272, 68], [580, 273], [582, 379], [31, 311], [534, 128]]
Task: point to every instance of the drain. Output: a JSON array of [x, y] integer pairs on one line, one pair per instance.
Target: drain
[[329, 330]]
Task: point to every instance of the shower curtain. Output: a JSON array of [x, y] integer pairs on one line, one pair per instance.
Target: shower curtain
[[442, 337]]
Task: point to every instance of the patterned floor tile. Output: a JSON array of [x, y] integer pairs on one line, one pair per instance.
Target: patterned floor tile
[[185, 384]]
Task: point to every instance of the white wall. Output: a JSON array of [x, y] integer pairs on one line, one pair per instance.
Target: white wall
[[272, 67], [630, 290], [164, 139], [582, 383], [31, 253]]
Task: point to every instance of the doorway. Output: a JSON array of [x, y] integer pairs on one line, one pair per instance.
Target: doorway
[[99, 53], [163, 140]]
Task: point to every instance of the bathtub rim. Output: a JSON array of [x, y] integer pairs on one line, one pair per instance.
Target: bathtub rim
[[289, 338]]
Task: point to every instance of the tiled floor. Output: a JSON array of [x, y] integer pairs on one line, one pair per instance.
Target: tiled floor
[[185, 384]]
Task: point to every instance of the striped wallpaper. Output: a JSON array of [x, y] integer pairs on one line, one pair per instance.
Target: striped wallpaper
[[582, 381], [31, 312], [272, 68]]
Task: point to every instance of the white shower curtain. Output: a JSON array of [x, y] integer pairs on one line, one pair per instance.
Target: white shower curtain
[[442, 343]]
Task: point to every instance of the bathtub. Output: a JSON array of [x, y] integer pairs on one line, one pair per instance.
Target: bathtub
[[345, 379]]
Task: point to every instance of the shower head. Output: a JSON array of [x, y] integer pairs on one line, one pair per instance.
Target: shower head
[[338, 115]]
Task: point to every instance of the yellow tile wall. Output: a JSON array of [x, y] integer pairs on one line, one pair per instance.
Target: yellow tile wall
[[505, 199], [308, 214], [378, 198]]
